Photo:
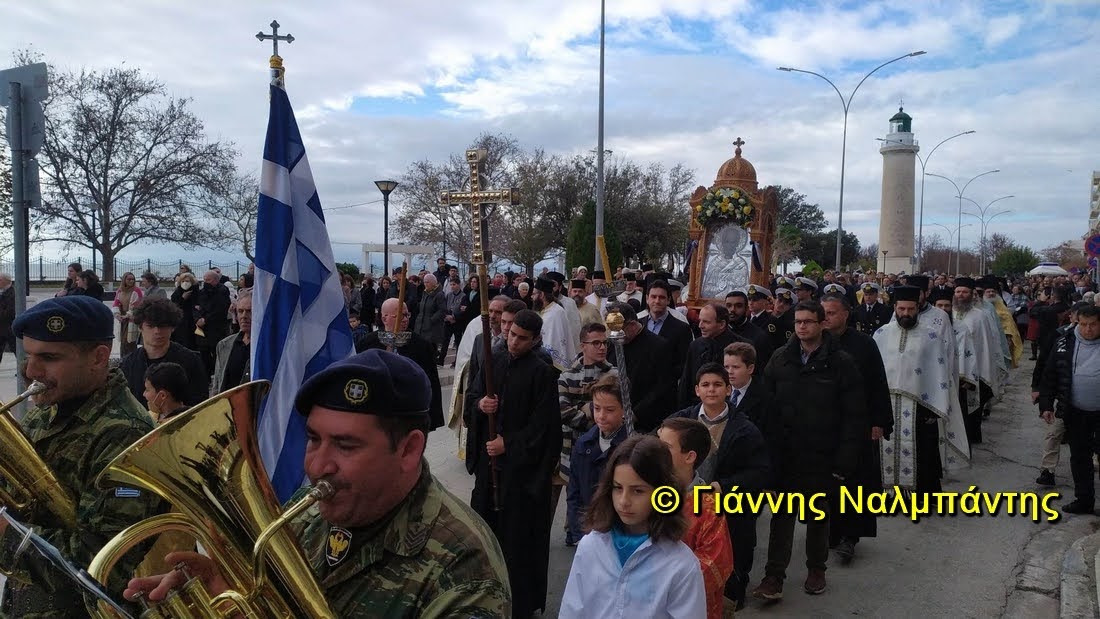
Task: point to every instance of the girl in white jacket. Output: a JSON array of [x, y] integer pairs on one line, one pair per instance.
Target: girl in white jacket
[[633, 564]]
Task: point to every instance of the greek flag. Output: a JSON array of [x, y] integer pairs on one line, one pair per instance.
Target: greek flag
[[299, 322]]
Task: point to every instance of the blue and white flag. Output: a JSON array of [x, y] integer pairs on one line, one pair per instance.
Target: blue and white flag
[[299, 321]]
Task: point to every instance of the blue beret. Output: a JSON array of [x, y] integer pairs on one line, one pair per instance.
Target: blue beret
[[66, 319], [374, 382]]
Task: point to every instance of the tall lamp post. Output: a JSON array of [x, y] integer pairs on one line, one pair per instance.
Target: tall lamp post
[[386, 187], [846, 104], [920, 216], [962, 192], [950, 233], [983, 216]]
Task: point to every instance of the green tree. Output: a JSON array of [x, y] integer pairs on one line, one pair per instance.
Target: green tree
[[580, 248], [821, 248], [1015, 260], [795, 211], [649, 208]]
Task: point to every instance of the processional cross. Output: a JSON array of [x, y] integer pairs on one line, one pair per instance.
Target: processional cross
[[478, 198], [276, 60]]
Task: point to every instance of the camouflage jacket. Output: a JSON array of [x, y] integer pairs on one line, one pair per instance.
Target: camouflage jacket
[[76, 448], [433, 557]]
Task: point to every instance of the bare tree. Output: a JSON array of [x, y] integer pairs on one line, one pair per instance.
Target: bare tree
[[124, 162], [6, 239], [233, 208], [1067, 253]]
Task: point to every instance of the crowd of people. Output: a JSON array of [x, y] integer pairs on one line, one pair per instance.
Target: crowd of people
[[800, 386]]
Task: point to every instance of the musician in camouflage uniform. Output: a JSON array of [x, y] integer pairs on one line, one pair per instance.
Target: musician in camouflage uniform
[[86, 416], [392, 542]]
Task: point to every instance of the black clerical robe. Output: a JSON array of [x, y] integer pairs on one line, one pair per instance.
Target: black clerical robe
[[424, 354]]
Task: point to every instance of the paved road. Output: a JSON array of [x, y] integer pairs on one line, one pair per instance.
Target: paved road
[[941, 567]]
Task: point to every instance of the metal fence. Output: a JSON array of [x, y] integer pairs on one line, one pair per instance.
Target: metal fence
[[43, 270]]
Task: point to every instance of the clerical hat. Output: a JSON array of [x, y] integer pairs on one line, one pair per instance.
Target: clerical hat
[[598, 275], [917, 281], [578, 283], [558, 277], [965, 282], [545, 284], [906, 293], [989, 281], [941, 294], [629, 276]]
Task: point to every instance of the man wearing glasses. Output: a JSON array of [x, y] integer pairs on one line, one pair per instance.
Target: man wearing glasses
[[575, 400]]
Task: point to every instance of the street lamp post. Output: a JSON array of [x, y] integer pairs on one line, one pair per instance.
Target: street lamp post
[[920, 216], [846, 104], [985, 220], [962, 192], [950, 233], [884, 252], [386, 187]]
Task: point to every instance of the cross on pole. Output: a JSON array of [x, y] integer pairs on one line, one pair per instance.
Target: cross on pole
[[275, 37], [477, 198]]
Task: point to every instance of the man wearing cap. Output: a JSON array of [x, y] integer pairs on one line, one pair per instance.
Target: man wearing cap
[[600, 303], [420, 351], [871, 313], [991, 293], [588, 312], [524, 453], [759, 298], [84, 418], [632, 291], [988, 342], [561, 297], [392, 541], [918, 350], [557, 333], [783, 311], [805, 288]]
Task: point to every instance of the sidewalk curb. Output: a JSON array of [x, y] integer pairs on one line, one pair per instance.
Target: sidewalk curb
[[1078, 581]]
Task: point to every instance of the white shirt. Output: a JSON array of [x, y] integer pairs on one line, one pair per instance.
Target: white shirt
[[659, 581]]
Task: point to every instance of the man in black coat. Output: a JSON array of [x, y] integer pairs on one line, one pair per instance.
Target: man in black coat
[[648, 367], [820, 414], [7, 311], [846, 529], [759, 315], [737, 302], [660, 321], [212, 316], [715, 336], [784, 313], [526, 450], [157, 319], [415, 349]]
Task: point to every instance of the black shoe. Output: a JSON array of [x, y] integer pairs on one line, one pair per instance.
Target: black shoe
[[846, 550], [1046, 478], [1033, 358], [1078, 507]]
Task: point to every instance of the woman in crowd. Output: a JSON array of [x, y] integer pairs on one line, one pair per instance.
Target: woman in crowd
[[70, 280], [633, 563], [184, 296], [150, 287], [367, 296], [384, 285], [87, 284], [127, 297]]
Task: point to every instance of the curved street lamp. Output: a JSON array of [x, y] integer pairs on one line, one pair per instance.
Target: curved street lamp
[[386, 187], [985, 221], [950, 233], [923, 164], [846, 104], [958, 248]]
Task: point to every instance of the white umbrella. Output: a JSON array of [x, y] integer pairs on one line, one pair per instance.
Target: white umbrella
[[1048, 268]]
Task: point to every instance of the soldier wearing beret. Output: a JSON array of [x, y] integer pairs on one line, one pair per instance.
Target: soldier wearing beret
[[391, 542], [83, 419]]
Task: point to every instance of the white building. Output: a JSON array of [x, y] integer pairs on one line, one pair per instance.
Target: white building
[[899, 166]]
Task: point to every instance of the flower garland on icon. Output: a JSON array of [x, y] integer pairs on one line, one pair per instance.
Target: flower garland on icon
[[725, 205]]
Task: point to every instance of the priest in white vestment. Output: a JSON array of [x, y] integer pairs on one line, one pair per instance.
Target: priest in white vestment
[[557, 338], [989, 350], [918, 351]]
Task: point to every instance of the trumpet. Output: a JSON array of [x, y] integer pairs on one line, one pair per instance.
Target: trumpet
[[31, 485]]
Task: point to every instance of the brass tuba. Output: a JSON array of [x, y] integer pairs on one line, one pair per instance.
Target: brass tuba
[[206, 463], [32, 486]]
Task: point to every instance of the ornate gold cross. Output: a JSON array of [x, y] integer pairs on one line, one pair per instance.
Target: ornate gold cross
[[478, 198]]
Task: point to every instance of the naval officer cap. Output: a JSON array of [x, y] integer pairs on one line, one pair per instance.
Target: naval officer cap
[[66, 319], [374, 382], [835, 290], [783, 294], [784, 282], [805, 283], [871, 288], [757, 293]]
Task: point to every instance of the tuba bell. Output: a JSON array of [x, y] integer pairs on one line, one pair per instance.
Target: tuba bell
[[206, 463], [31, 486]]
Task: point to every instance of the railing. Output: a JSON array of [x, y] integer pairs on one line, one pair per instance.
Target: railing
[[56, 271]]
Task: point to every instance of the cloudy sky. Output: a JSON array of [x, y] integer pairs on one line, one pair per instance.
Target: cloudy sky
[[378, 84]]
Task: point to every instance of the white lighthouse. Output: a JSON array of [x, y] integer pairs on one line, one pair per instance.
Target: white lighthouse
[[899, 168]]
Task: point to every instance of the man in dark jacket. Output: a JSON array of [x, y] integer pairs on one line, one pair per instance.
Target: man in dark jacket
[[1071, 379], [737, 302], [433, 306], [715, 336], [820, 414], [524, 452], [648, 368], [871, 314], [662, 322], [157, 319], [846, 529], [7, 311], [211, 316]]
